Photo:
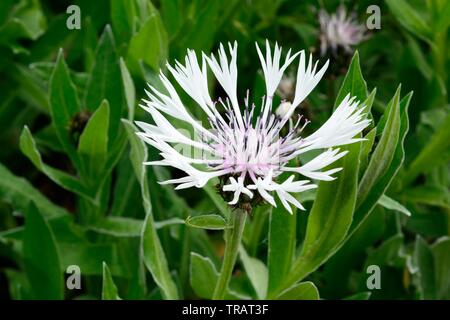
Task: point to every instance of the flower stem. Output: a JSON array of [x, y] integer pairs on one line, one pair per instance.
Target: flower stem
[[233, 240]]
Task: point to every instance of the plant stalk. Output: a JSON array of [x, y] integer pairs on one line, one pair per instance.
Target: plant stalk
[[233, 240]]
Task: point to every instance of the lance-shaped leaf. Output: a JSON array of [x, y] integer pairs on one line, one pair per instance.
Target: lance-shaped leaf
[[105, 82], [151, 248], [93, 145], [282, 237], [386, 159], [41, 257], [257, 273], [68, 182], [354, 82], [128, 86], [409, 18], [64, 105], [329, 220], [150, 43], [109, 289]]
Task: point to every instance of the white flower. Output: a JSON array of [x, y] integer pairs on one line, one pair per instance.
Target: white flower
[[240, 147], [339, 30]]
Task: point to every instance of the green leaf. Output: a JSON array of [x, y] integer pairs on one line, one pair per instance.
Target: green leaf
[[387, 254], [257, 273], [282, 236], [391, 204], [443, 22], [20, 193], [29, 149], [330, 218], [424, 261], [150, 43], [359, 296], [109, 289], [127, 227], [64, 105], [128, 86], [354, 83], [431, 156], [89, 257], [386, 159], [441, 256], [209, 221], [41, 258], [93, 144], [105, 82], [302, 291], [409, 18], [122, 19], [428, 195], [204, 276], [151, 248]]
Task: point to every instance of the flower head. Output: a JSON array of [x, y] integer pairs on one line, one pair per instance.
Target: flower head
[[240, 146], [339, 31]]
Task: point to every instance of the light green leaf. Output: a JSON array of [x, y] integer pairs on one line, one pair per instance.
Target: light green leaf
[[29, 149], [409, 18], [150, 43], [209, 221], [128, 85], [41, 258], [151, 249], [391, 204], [282, 237], [302, 291], [93, 144], [204, 276], [109, 289], [257, 273]]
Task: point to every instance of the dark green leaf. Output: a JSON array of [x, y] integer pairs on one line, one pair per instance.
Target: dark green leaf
[[19, 193], [105, 82], [64, 105], [41, 258]]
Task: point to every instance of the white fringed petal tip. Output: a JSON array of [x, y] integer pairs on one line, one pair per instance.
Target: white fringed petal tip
[[242, 148]]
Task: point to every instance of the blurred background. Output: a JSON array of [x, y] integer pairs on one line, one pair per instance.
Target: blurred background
[[111, 49]]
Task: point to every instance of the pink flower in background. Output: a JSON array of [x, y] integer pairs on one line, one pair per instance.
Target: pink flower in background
[[339, 30]]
